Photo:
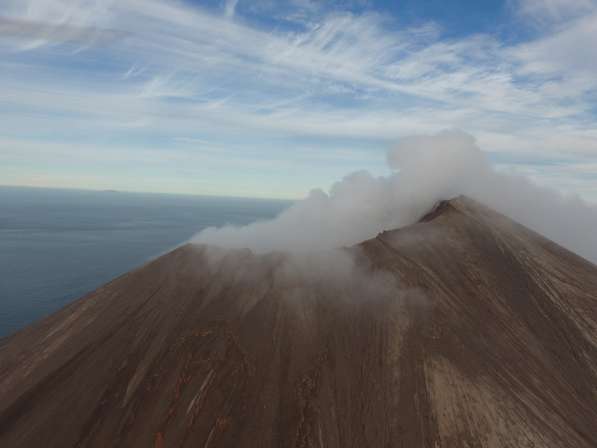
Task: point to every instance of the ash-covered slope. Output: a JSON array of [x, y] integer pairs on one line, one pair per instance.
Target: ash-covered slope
[[482, 333]]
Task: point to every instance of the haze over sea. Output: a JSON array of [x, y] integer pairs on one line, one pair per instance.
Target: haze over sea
[[56, 245]]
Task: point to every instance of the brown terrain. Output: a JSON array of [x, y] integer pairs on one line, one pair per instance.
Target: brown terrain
[[463, 330]]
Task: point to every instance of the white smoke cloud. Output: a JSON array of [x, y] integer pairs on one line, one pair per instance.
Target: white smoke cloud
[[427, 169], [339, 274]]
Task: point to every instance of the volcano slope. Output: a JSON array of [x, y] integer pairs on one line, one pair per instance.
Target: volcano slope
[[463, 330]]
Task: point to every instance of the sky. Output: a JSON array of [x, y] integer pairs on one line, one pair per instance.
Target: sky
[[271, 99]]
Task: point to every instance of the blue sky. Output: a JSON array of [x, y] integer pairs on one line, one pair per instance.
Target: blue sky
[[271, 99]]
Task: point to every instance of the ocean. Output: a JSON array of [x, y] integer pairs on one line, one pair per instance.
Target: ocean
[[57, 245]]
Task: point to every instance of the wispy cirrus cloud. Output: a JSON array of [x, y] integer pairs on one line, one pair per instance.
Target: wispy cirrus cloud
[[140, 70], [544, 12]]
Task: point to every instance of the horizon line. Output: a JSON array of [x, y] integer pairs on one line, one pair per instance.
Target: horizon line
[[116, 191]]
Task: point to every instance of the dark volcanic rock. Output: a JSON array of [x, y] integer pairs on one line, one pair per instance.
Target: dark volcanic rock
[[487, 337]]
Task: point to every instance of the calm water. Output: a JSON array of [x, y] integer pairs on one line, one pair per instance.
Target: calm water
[[56, 245]]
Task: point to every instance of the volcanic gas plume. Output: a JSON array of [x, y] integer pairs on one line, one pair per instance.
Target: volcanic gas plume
[[427, 169]]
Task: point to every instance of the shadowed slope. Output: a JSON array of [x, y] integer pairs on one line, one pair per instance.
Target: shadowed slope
[[487, 336]]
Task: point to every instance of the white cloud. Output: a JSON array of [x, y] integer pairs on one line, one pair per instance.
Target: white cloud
[[42, 22], [230, 7], [549, 11], [171, 69], [568, 53]]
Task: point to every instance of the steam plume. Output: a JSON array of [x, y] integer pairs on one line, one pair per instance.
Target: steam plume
[[426, 169]]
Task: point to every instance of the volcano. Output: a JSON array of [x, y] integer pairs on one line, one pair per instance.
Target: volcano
[[482, 334]]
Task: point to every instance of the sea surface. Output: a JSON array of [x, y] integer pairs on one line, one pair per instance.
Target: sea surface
[[57, 245]]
